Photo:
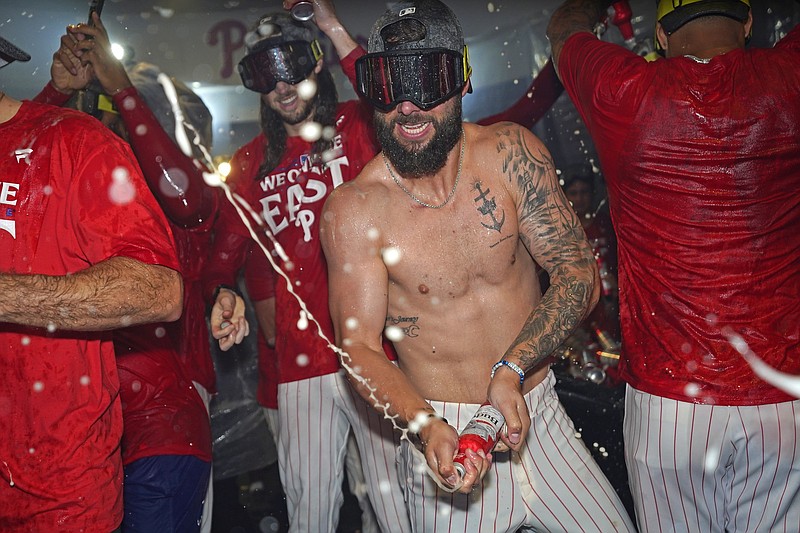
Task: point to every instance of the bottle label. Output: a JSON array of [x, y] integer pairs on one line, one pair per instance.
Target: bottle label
[[486, 424]]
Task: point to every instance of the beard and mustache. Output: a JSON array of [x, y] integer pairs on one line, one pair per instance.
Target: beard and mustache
[[416, 160]]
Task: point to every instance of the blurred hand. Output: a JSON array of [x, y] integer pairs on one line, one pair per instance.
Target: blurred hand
[[228, 323], [67, 73], [91, 46]]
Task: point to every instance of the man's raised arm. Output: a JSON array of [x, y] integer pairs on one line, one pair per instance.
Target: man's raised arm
[[573, 16]]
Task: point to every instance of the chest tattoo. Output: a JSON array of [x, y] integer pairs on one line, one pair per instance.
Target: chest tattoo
[[406, 324], [488, 208]]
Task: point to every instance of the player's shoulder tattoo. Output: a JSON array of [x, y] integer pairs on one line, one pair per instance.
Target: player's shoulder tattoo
[[525, 165]]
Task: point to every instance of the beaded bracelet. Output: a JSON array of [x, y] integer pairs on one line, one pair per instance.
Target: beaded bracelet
[[502, 362]]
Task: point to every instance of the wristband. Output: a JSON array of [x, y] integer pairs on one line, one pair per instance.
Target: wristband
[[502, 362]]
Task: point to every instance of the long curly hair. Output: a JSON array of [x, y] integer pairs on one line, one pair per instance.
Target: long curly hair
[[324, 109]]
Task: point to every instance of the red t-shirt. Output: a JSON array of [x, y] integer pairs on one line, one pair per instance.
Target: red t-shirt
[[72, 195], [290, 199], [163, 413], [260, 278], [155, 151], [702, 163]]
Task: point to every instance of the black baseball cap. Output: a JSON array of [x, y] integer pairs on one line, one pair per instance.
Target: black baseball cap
[[414, 25], [673, 14], [9, 53]]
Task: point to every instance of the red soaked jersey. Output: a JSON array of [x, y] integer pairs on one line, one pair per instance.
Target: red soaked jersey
[[71, 195], [290, 200], [702, 162]]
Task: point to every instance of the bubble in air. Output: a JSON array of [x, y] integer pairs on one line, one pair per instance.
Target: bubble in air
[[351, 323], [38, 386], [160, 332], [128, 103], [692, 390], [373, 234], [302, 322], [302, 360], [47, 190], [393, 333], [391, 255], [311, 131], [174, 183], [51, 327], [306, 89], [25, 341], [121, 191], [140, 130], [136, 386], [85, 380], [711, 460]]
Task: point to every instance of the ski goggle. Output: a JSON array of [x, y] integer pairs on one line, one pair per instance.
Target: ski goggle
[[425, 78], [268, 63]]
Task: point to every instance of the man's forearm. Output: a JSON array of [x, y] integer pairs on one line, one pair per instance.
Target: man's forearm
[[115, 293], [573, 16], [568, 300]]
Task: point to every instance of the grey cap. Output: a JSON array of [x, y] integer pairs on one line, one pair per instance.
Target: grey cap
[[417, 24], [279, 27], [9, 53], [144, 77]]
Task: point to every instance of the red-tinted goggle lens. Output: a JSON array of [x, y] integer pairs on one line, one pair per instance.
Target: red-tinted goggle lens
[[266, 65], [425, 78]]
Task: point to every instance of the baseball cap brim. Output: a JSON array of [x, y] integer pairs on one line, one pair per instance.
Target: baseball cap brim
[[9, 53], [729, 8]]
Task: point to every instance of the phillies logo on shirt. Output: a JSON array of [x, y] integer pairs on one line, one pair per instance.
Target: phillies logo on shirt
[[303, 189], [8, 196], [8, 201]]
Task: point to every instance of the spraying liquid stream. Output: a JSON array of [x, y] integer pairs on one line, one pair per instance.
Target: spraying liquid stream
[[786, 382], [252, 222]]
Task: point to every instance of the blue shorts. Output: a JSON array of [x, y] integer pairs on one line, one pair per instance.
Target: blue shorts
[[164, 493]]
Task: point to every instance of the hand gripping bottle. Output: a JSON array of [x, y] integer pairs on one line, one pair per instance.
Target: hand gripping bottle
[[481, 433]]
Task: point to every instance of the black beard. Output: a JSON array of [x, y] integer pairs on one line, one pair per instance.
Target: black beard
[[297, 117], [415, 161]]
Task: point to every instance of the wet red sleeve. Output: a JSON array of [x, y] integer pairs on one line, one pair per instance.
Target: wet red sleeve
[[175, 179], [50, 95], [538, 98]]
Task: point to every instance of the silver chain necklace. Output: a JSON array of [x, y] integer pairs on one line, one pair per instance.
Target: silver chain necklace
[[452, 191]]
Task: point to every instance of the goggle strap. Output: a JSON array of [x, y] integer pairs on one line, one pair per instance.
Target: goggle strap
[[467, 66], [316, 50]]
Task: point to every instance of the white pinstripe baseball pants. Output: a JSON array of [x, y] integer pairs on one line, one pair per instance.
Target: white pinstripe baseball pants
[[355, 473], [553, 484], [711, 468], [316, 416]]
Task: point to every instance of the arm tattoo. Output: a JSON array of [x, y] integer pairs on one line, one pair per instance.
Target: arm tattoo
[[549, 227]]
